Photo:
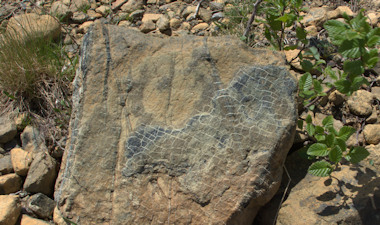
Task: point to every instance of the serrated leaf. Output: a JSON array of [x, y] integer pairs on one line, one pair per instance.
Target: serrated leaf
[[310, 129], [335, 154], [317, 86], [335, 30], [353, 67], [320, 137], [320, 169], [373, 41], [357, 154], [343, 86], [357, 83], [341, 143], [328, 121], [319, 130], [345, 132], [318, 149], [306, 65], [305, 81], [352, 48], [330, 140]]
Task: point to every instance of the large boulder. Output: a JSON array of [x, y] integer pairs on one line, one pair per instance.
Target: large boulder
[[175, 130]]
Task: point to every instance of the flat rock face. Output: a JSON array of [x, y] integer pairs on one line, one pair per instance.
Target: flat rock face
[[182, 130]]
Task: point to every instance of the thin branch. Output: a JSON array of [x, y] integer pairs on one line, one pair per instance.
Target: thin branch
[[197, 9], [250, 21]]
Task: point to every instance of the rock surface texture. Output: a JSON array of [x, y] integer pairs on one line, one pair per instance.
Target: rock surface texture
[[185, 130]]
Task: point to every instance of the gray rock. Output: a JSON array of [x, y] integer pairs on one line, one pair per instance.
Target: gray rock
[[8, 129], [195, 133], [163, 23], [32, 140], [60, 10], [6, 165], [41, 205], [217, 16], [41, 175]]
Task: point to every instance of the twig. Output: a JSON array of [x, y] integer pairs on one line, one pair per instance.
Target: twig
[[250, 21], [319, 97], [197, 9]]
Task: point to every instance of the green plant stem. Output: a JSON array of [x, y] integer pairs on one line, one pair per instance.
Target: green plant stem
[[252, 18]]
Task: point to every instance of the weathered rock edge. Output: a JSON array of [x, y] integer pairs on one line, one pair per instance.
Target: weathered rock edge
[[184, 130]]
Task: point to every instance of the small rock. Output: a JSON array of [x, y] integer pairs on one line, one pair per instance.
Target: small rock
[[199, 27], [6, 165], [124, 23], [372, 19], [42, 174], [8, 129], [79, 5], [27, 220], [316, 16], [104, 10], [360, 103], [216, 6], [132, 5], [10, 183], [21, 161], [10, 209], [376, 92], [83, 28], [147, 26], [204, 14], [60, 10], [117, 4], [312, 31], [333, 14], [373, 117], [336, 98], [32, 140], [355, 140], [372, 133], [41, 205], [92, 15], [186, 26], [292, 54], [138, 14], [163, 23], [175, 23], [217, 16], [150, 17], [374, 155], [79, 17], [345, 9]]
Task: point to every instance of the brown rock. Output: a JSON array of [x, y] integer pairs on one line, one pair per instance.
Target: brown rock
[[163, 23], [103, 9], [199, 27], [83, 28], [372, 133], [10, 183], [150, 17], [336, 98], [360, 103], [21, 161], [316, 16], [92, 15], [10, 209], [312, 31], [132, 5], [344, 9], [147, 26], [373, 118], [175, 23], [28, 24], [202, 125], [27, 220], [204, 14], [42, 174], [60, 10], [58, 218], [78, 5]]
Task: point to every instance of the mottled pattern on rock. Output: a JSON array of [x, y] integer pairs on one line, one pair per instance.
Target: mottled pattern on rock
[[176, 130]]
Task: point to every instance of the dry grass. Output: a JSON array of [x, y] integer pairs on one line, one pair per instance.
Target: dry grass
[[32, 80]]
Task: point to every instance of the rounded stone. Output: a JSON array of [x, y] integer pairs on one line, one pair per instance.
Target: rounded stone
[[372, 133]]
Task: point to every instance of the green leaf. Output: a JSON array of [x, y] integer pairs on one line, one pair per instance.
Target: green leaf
[[331, 73], [335, 30], [309, 120], [343, 86], [341, 143], [318, 149], [330, 140], [317, 86], [373, 41], [320, 137], [352, 48], [357, 83], [310, 129], [335, 154], [305, 81], [306, 65], [320, 169], [353, 67], [300, 33], [328, 121], [300, 124], [319, 130], [290, 47], [345, 132], [357, 154], [311, 108]]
